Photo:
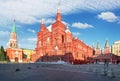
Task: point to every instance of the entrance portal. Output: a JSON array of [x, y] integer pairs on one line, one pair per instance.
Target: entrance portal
[[16, 59]]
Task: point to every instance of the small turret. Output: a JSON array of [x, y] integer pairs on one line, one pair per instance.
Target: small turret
[[42, 27]]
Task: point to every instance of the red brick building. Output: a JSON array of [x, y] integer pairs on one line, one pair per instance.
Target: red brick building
[[13, 52], [56, 42]]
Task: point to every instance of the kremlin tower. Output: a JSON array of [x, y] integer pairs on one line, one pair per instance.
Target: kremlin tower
[[13, 52], [13, 43], [107, 48], [98, 49]]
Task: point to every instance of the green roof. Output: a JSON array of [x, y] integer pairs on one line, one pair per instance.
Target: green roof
[[14, 27]]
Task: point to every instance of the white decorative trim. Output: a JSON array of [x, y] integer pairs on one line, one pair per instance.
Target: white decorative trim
[[12, 60], [20, 61], [67, 31], [13, 40], [56, 48], [49, 28]]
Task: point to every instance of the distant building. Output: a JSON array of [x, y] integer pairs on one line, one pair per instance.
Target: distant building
[[106, 54], [13, 51], [56, 42], [27, 53], [116, 48], [106, 49]]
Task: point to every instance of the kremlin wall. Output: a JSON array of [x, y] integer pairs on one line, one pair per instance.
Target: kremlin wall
[[55, 43]]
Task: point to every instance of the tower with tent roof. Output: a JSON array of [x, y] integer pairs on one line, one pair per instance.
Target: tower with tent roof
[[13, 51]]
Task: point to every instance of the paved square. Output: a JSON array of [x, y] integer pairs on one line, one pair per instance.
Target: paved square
[[51, 72]]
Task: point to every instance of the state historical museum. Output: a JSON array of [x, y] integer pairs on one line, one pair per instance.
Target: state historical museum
[[56, 42]]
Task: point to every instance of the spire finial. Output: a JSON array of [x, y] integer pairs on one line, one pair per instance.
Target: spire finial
[[58, 10], [42, 21], [14, 20], [58, 16]]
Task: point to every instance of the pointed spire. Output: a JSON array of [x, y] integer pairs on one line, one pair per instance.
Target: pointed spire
[[42, 27], [98, 45], [58, 16], [14, 27], [106, 44]]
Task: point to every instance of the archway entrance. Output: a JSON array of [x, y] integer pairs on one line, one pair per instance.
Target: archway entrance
[[16, 59]]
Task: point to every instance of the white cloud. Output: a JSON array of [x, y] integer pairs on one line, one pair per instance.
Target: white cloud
[[108, 16], [76, 34], [81, 25], [31, 30], [4, 33], [30, 11], [28, 42], [32, 39], [49, 21]]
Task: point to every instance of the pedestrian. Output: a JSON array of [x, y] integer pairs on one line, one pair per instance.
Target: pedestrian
[[96, 61], [117, 62], [105, 62]]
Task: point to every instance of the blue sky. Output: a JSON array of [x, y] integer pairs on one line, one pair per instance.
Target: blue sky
[[89, 20]]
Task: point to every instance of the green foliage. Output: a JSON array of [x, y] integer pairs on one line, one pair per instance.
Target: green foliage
[[3, 55]]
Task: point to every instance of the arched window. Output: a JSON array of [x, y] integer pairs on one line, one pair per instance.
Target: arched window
[[77, 54], [14, 45], [55, 40], [10, 44], [62, 39]]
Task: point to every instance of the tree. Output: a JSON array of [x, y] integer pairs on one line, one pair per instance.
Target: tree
[[3, 55]]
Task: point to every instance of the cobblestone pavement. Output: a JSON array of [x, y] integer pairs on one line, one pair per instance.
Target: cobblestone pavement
[[56, 72]]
